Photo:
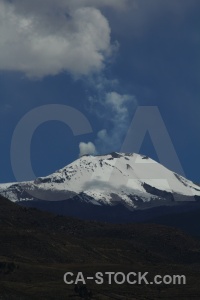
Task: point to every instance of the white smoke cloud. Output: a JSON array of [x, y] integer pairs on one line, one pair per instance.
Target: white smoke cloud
[[87, 148], [46, 37], [117, 103], [116, 109]]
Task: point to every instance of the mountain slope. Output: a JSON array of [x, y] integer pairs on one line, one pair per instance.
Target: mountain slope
[[132, 180]]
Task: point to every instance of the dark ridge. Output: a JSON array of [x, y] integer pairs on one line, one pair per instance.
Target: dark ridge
[[180, 179], [156, 192], [128, 166], [145, 157], [115, 155]]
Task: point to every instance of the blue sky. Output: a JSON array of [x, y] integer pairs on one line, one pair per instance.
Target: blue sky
[[103, 58]]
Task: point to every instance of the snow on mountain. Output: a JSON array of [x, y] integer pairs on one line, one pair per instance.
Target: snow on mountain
[[129, 179]]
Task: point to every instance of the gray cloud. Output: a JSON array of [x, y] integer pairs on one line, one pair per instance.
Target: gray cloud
[[45, 37]]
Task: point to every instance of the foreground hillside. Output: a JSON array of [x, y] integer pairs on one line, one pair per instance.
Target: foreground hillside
[[37, 248]]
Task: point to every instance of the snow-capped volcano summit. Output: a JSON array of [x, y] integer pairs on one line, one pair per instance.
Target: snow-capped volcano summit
[[134, 180]]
